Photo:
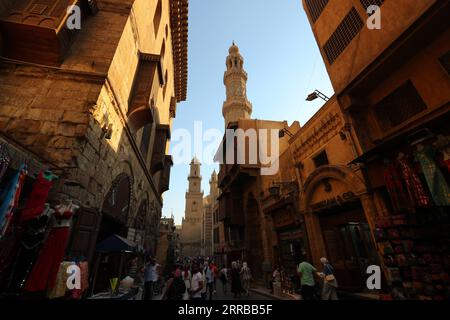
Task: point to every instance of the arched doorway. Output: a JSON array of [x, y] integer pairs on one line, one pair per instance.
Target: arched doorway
[[338, 224], [115, 208], [114, 222], [252, 238]]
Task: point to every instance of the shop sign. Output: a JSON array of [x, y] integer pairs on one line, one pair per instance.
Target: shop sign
[[336, 201]]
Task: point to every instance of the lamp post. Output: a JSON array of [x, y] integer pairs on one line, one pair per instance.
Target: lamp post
[[285, 131], [317, 94]]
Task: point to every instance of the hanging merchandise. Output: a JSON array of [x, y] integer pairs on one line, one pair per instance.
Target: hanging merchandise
[[44, 273], [4, 160], [414, 186], [439, 188], [32, 239], [443, 145], [84, 268], [399, 198], [10, 198], [36, 201], [60, 288]]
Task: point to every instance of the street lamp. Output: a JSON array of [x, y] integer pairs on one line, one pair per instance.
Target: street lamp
[[284, 131], [317, 94]]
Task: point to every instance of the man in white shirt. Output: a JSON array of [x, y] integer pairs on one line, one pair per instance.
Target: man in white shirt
[[151, 278], [197, 283]]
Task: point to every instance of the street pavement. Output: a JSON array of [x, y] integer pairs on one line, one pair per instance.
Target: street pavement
[[220, 295]]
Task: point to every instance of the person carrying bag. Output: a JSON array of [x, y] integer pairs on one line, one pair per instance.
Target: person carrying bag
[[329, 291]]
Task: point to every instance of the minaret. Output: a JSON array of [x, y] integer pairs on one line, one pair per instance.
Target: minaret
[[191, 232], [194, 178], [236, 106], [213, 187]]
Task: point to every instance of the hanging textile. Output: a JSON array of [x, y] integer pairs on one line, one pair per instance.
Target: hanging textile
[[32, 238], [399, 198], [36, 202], [414, 186], [84, 268], [439, 188], [60, 288], [9, 248], [443, 145], [10, 198], [4, 160], [44, 273]]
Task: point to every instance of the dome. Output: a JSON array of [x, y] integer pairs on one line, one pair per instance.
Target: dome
[[195, 160], [233, 49]]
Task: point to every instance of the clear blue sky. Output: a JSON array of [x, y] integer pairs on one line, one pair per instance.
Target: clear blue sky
[[281, 58]]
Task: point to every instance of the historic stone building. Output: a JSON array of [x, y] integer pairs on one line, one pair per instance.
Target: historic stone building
[[240, 227], [393, 89], [192, 226], [236, 106], [318, 197], [95, 106], [209, 204]]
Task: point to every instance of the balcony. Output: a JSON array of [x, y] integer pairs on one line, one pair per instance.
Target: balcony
[[149, 78], [36, 31], [236, 173], [159, 148], [164, 179]]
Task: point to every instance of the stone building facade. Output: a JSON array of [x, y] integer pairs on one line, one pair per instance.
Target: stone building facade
[[95, 106], [393, 88], [192, 224]]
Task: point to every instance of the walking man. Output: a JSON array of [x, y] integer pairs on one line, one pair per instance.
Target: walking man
[[151, 278], [306, 270]]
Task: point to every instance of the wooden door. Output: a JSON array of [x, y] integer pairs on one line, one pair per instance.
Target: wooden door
[[84, 233]]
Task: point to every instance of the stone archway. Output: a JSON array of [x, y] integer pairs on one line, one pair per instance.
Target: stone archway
[[340, 173], [116, 207], [339, 215]]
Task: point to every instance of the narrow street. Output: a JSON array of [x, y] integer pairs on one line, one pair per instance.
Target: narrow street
[[222, 296]]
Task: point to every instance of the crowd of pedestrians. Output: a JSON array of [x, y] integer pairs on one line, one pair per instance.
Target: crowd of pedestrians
[[197, 278]]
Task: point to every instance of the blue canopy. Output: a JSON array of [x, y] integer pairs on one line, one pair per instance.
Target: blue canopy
[[116, 243]]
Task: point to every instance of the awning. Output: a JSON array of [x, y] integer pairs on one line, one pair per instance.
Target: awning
[[116, 243]]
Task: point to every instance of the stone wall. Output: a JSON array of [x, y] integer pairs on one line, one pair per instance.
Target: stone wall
[[60, 113]]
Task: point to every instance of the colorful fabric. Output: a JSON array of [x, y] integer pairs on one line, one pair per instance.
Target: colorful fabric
[[416, 190], [61, 281], [36, 202], [437, 185], [399, 198], [44, 273], [10, 198]]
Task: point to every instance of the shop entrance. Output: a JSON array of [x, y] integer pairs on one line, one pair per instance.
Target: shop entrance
[[349, 245], [114, 223]]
